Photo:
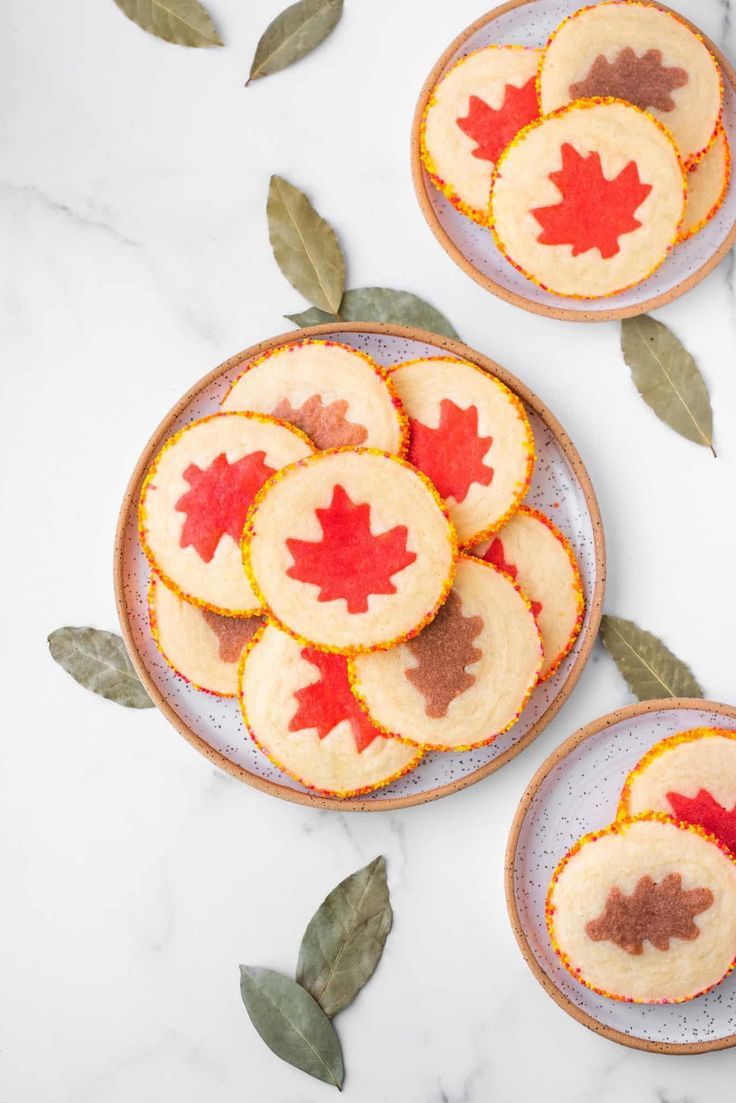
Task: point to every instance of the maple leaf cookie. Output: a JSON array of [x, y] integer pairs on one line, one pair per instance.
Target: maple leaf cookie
[[588, 201], [691, 776], [335, 394], [470, 435], [645, 910], [298, 707], [350, 549], [539, 558], [466, 677], [474, 111], [707, 184], [639, 53], [195, 499], [202, 647]]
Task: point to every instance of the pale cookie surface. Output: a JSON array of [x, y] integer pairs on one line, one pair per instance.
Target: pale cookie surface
[[299, 709], [473, 113], [195, 500], [588, 201], [691, 776], [335, 394], [645, 911], [203, 647], [707, 182], [350, 550], [466, 677], [470, 435], [541, 561], [638, 53]]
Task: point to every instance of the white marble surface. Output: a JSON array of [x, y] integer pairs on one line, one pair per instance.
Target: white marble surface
[[135, 877]]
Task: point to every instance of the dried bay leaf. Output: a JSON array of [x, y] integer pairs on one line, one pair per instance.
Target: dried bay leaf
[[305, 246], [295, 32], [292, 1024], [183, 22], [667, 378], [99, 662], [380, 304], [650, 668], [344, 940]]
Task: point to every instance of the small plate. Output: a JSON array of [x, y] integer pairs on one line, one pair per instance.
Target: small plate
[[529, 23], [576, 791], [560, 487]]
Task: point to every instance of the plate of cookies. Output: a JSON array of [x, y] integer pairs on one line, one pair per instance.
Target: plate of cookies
[[576, 161], [359, 566], [621, 875]]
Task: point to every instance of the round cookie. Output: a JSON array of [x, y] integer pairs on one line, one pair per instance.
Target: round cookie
[[641, 54], [337, 395], [707, 184], [470, 435], [466, 677], [195, 498], [588, 201], [539, 558], [298, 707], [202, 647], [691, 776], [350, 549], [474, 111], [645, 911]]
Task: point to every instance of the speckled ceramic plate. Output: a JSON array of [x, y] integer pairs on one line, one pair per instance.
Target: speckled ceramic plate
[[576, 791], [560, 487], [529, 23]]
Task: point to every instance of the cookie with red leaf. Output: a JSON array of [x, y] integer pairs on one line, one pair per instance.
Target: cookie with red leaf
[[588, 201], [202, 647], [707, 184], [644, 55], [645, 910], [691, 776], [470, 435], [195, 499], [474, 111], [335, 394], [350, 549], [298, 707], [539, 558], [466, 677]]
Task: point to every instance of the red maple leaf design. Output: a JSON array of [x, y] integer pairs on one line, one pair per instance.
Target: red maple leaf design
[[219, 499], [328, 701], [705, 810], [349, 562], [493, 128], [452, 454], [594, 212], [496, 555]]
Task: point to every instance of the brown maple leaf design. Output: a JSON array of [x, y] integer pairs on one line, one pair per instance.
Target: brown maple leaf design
[[233, 633], [324, 423], [653, 913], [444, 649], [643, 81]]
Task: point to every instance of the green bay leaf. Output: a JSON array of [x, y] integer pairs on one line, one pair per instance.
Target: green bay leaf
[[344, 940], [650, 668], [305, 246], [292, 1024], [294, 33], [99, 662], [381, 304], [183, 22], [667, 378]]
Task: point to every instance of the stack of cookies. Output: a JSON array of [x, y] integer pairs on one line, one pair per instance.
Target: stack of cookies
[[344, 548], [590, 158], [645, 910]]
